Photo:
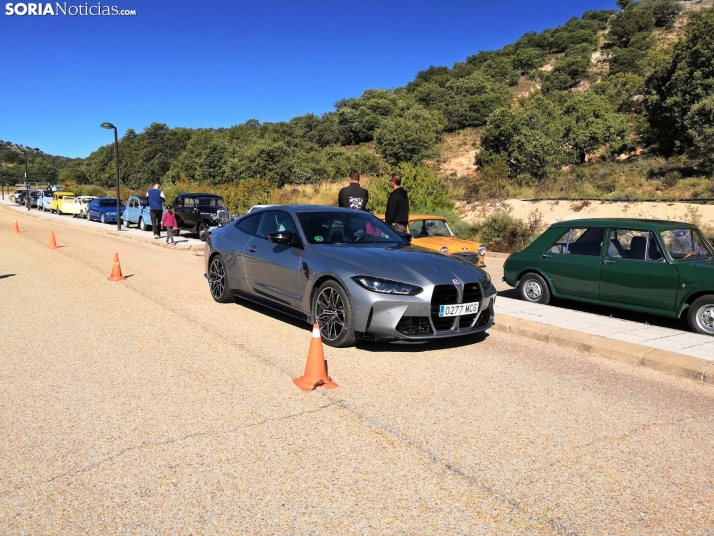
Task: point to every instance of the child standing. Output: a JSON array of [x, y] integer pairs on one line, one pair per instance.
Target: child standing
[[169, 221]]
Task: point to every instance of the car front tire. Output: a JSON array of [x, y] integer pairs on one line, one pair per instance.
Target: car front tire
[[142, 224], [534, 289], [700, 315], [202, 232], [102, 218], [332, 311], [218, 280]]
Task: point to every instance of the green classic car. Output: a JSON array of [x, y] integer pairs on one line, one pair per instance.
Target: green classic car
[[658, 267]]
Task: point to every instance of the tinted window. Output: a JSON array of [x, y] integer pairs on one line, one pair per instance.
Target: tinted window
[[249, 224], [209, 201], [586, 242], [423, 228], [188, 202], [178, 203], [274, 222], [349, 227]]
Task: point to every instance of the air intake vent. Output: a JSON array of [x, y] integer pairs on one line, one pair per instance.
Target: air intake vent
[[414, 325]]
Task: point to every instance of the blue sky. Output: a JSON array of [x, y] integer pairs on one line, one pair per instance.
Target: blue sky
[[217, 64]]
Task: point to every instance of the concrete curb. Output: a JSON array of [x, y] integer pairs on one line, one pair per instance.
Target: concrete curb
[[634, 354]]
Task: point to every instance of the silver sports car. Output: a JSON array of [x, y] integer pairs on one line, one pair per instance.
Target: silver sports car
[[349, 272]]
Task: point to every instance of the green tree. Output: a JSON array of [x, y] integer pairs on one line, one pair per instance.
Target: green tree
[[529, 139], [687, 79], [591, 122], [636, 18], [700, 127], [359, 119], [664, 12], [411, 137]]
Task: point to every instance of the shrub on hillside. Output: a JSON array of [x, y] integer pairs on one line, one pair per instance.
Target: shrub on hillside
[[502, 232]]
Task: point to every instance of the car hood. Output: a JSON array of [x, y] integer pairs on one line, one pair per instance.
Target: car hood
[[411, 264], [455, 245]]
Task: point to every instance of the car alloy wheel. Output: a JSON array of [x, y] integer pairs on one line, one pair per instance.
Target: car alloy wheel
[[333, 313], [701, 315], [218, 280], [534, 289]]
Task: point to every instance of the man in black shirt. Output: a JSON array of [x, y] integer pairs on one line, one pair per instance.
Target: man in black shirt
[[397, 215], [353, 196]]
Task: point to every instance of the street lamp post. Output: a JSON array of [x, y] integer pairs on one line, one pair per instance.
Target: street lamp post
[[109, 126], [27, 183]]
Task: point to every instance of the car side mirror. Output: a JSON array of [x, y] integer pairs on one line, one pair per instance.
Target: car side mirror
[[406, 236], [284, 238]]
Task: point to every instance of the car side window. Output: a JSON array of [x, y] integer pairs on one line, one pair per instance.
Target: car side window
[[636, 245], [179, 202], [249, 225], [188, 202], [275, 222], [586, 242]]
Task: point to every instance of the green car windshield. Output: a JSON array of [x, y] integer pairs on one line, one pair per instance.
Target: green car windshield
[[686, 244]]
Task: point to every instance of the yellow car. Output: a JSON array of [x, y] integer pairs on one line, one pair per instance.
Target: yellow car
[[433, 232], [58, 201]]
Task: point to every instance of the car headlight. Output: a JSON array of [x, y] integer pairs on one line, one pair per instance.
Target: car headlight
[[111, 213], [385, 286], [482, 250], [444, 250], [486, 280]]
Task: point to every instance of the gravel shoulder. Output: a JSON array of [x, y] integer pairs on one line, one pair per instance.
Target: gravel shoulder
[[144, 407]]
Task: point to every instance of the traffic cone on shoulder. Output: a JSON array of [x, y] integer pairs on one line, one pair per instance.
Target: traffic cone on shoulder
[[15, 228], [53, 243], [116, 270], [315, 369]]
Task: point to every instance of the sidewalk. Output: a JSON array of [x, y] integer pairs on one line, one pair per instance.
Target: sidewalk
[[673, 351]]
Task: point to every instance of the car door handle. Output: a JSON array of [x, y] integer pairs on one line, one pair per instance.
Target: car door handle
[[252, 249], [547, 256], [605, 261]]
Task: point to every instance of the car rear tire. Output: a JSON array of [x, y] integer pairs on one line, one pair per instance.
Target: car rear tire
[[202, 232], [533, 288], [59, 212], [176, 231], [126, 224], [332, 311], [700, 315], [142, 225], [218, 280], [102, 218]]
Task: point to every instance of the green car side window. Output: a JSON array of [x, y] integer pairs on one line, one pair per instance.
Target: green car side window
[[634, 245], [586, 242]]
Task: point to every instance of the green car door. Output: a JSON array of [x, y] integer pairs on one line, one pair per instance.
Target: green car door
[[573, 262], [636, 272]]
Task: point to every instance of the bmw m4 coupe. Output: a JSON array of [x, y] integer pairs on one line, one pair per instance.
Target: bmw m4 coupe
[[350, 273]]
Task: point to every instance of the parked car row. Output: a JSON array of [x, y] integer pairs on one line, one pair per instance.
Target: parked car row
[[197, 213]]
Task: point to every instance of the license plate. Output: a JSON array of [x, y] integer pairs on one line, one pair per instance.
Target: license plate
[[459, 309]]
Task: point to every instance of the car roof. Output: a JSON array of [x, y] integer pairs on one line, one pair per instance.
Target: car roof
[[641, 223], [199, 194]]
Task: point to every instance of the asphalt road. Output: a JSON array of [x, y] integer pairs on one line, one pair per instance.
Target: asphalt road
[[144, 407]]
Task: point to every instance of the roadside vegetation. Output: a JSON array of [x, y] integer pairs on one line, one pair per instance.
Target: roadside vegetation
[[614, 105]]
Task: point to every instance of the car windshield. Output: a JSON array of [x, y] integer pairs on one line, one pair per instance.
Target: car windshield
[[353, 227], [109, 203], [209, 202], [686, 244], [429, 227]]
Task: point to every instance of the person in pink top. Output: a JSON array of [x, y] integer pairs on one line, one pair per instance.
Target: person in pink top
[[169, 221]]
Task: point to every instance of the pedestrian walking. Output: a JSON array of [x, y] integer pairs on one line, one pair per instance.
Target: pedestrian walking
[[353, 195], [397, 214], [169, 221], [156, 207]]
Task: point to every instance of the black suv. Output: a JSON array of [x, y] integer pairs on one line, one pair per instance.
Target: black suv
[[200, 213]]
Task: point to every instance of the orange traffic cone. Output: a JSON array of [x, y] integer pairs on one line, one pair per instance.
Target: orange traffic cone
[[315, 369], [15, 228], [53, 243], [116, 270]]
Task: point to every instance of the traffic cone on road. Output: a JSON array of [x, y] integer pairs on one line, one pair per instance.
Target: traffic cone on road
[[116, 270], [315, 369], [53, 243], [15, 228]]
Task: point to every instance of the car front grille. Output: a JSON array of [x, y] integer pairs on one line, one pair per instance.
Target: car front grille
[[414, 325], [472, 293], [443, 295]]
